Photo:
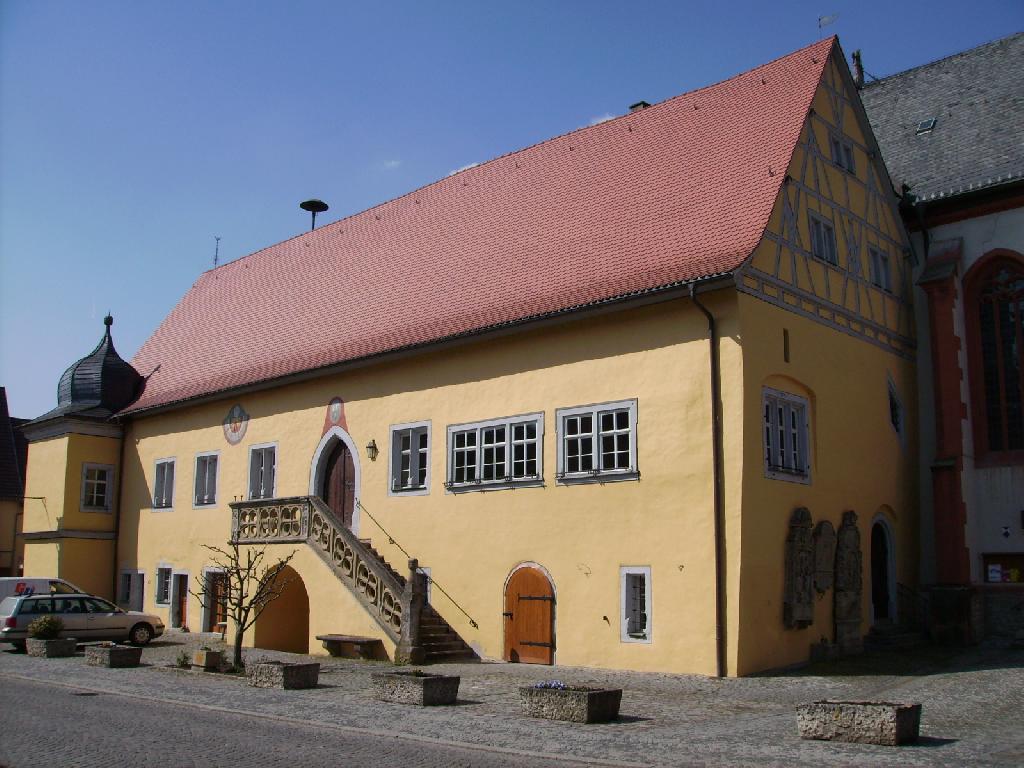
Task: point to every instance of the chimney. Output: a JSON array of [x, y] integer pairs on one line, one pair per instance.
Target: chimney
[[858, 70], [638, 106]]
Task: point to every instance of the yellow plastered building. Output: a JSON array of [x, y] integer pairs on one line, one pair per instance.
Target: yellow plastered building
[[639, 397]]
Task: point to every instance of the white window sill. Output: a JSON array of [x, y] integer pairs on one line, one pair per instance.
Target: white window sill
[[583, 478], [211, 505], [788, 476], [413, 491], [494, 485], [161, 509], [95, 510], [636, 640]]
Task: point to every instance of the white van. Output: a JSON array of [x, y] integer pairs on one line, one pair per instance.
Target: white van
[[19, 586]]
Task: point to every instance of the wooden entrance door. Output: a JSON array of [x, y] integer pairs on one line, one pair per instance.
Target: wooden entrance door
[[217, 601], [339, 491], [181, 598], [529, 618]]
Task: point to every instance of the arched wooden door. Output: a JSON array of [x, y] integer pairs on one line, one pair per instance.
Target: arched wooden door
[[529, 618], [339, 491]]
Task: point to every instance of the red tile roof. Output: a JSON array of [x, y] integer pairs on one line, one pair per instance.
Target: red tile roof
[[678, 191]]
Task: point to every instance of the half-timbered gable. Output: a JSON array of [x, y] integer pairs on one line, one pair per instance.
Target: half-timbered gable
[[834, 249]]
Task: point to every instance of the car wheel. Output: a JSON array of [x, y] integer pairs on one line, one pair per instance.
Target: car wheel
[[140, 634]]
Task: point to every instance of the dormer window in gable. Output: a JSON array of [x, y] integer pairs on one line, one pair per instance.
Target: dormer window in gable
[[842, 153], [823, 239]]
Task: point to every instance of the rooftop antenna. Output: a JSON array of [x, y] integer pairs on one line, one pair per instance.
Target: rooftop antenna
[[314, 207], [216, 251]]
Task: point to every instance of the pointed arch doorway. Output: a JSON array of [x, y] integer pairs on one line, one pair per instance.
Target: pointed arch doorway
[[335, 476], [883, 573]]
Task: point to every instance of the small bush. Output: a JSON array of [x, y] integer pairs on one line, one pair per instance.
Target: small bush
[[184, 660], [46, 628]]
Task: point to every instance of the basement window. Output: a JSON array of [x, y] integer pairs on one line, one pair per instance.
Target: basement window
[[635, 588]]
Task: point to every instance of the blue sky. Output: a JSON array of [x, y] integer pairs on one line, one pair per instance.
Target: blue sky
[[132, 134]]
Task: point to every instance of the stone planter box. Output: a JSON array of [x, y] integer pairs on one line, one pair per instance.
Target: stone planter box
[[51, 649], [277, 674], [113, 656], [207, 661], [579, 705], [423, 689], [863, 722]]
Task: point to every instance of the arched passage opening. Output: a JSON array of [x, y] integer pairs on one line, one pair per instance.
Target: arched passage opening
[[284, 623], [883, 572]]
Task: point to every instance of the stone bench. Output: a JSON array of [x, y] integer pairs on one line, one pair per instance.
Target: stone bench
[[353, 646]]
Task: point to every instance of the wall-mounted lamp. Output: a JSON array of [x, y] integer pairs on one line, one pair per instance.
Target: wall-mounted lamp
[[371, 450]]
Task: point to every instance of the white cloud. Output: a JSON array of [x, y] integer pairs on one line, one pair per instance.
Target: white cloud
[[601, 118], [390, 165], [463, 168]]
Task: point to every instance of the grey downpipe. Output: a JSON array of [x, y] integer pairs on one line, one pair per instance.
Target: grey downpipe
[[117, 514], [716, 449]]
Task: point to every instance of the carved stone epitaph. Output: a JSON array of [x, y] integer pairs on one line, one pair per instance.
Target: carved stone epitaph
[[824, 555], [798, 605], [849, 564]]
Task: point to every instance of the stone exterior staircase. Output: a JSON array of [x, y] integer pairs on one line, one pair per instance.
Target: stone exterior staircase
[[396, 602]]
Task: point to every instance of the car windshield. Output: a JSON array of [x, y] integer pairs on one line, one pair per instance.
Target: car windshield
[[8, 605]]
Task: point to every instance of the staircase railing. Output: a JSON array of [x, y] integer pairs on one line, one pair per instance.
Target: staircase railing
[[395, 606]]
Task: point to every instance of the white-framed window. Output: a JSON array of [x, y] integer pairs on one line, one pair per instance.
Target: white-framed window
[[163, 585], [823, 239], [896, 415], [786, 436], [206, 479], [635, 615], [163, 484], [842, 153], [97, 487], [410, 458], [496, 453], [262, 471], [597, 442], [880, 273]]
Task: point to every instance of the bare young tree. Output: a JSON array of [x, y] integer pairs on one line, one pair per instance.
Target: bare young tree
[[247, 586]]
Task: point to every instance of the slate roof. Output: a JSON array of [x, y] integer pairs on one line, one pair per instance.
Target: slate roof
[[656, 198], [12, 454], [97, 386], [977, 98]]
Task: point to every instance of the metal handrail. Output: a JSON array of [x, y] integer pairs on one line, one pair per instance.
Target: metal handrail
[[391, 540]]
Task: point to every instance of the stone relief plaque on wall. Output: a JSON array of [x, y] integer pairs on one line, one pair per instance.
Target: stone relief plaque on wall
[[848, 577], [824, 555], [798, 604]]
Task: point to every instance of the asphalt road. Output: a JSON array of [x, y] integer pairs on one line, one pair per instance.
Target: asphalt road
[[42, 724]]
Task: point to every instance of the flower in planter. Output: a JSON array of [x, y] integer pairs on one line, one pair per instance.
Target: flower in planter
[[557, 685]]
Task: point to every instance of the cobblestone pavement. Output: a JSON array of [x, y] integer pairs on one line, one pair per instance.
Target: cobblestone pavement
[[973, 708]]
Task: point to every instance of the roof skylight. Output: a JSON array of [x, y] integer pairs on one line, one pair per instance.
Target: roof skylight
[[926, 126]]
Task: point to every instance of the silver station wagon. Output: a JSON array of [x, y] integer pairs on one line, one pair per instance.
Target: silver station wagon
[[85, 618]]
